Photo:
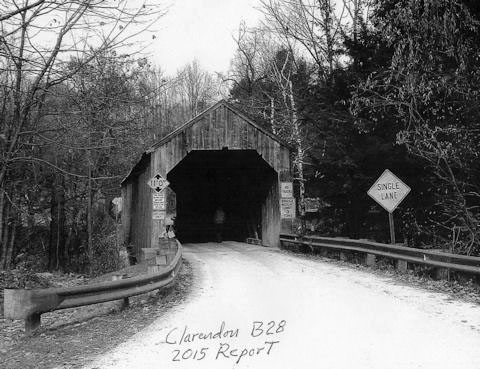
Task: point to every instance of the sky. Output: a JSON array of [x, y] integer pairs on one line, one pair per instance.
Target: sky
[[200, 29]]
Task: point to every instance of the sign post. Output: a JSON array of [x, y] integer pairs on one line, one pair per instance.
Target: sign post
[[389, 191]]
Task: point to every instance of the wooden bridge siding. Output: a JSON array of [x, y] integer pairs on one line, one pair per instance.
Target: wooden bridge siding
[[126, 213], [163, 160], [138, 212], [215, 130], [271, 216]]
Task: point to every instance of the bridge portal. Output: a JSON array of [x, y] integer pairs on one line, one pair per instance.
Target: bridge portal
[[238, 181], [218, 159]]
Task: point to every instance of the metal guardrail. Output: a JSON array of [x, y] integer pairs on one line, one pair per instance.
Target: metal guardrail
[[462, 263], [30, 304]]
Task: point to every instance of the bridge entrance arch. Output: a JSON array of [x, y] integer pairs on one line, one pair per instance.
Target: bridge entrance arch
[[220, 158]]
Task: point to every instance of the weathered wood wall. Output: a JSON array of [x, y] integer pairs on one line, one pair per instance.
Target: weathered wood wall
[[137, 209], [219, 127], [271, 216]]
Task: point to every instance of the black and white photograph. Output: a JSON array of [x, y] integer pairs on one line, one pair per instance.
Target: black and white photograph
[[264, 184]]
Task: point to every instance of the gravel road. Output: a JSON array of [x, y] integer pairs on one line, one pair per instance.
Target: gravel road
[[254, 307]]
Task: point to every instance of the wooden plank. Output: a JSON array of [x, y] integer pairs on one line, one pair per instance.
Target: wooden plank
[[126, 213], [252, 139], [271, 153], [225, 126], [211, 129], [244, 135], [271, 216], [180, 151], [218, 127], [276, 156], [195, 139], [229, 128], [237, 128], [233, 132], [204, 128]]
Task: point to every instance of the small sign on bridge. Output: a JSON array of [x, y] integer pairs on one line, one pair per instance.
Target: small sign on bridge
[[287, 208], [286, 189], [158, 183], [389, 191]]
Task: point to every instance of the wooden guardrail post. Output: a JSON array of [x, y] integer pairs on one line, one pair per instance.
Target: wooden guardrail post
[[32, 322], [28, 305], [401, 266], [370, 260], [125, 302], [442, 273]]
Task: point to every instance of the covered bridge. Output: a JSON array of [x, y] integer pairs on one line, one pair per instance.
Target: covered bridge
[[220, 158]]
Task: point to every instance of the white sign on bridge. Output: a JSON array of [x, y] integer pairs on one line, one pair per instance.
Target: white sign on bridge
[[287, 208], [388, 191]]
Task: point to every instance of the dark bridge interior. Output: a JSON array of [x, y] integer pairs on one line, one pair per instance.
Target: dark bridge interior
[[236, 180]]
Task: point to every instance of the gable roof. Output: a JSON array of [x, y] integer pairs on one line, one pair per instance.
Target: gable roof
[[197, 118], [145, 157]]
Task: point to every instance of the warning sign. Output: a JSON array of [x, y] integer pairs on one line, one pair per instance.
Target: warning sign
[[158, 183], [389, 191]]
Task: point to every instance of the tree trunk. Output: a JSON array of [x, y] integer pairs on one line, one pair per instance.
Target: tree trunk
[[11, 246], [2, 226], [3, 258], [57, 226], [300, 154], [89, 218], [328, 26], [272, 115]]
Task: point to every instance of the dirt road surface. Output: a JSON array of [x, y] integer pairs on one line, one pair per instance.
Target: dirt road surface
[[254, 307]]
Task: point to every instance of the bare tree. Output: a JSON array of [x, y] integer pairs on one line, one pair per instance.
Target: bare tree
[[197, 88], [263, 70], [37, 39], [313, 24]]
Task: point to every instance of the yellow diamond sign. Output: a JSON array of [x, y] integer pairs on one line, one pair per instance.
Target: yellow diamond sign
[[389, 191]]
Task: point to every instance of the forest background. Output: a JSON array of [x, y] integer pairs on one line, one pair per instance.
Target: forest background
[[356, 86]]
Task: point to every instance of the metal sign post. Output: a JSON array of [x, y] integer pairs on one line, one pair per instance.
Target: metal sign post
[[389, 191]]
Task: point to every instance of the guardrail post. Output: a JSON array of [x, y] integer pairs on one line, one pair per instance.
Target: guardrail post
[[124, 303], [370, 260], [32, 322], [442, 273], [401, 266]]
